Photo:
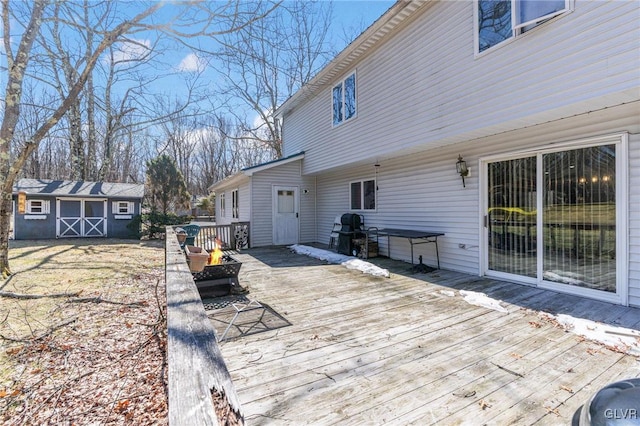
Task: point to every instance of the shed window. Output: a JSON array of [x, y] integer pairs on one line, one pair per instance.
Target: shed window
[[123, 207], [38, 207]]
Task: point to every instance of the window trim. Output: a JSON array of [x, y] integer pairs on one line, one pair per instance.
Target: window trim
[[515, 9], [235, 204], [116, 207], [222, 205], [518, 30], [341, 84], [362, 195], [621, 140], [44, 208]]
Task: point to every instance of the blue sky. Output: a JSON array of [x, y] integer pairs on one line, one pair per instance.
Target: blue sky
[[350, 18], [357, 14]]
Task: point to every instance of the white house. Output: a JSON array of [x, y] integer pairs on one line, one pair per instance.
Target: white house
[[541, 100]]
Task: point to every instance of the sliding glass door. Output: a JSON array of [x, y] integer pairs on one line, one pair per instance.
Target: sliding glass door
[[551, 218], [579, 217], [512, 216]]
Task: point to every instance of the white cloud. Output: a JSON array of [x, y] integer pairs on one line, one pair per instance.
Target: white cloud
[[131, 50], [192, 63]]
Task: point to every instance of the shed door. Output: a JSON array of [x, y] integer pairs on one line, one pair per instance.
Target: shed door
[[285, 215], [81, 218]]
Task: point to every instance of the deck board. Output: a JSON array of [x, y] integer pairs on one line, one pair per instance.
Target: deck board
[[402, 350]]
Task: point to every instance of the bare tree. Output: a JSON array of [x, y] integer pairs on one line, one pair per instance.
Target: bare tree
[[269, 60], [221, 148], [25, 22]]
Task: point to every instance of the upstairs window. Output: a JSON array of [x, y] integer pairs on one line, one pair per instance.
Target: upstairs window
[[363, 195], [500, 20], [344, 100]]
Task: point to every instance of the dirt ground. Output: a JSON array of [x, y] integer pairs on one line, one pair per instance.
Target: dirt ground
[[83, 333]]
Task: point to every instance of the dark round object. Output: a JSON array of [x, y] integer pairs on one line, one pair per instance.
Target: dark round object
[[616, 404]]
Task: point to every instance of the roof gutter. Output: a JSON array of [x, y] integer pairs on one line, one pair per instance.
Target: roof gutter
[[370, 38]]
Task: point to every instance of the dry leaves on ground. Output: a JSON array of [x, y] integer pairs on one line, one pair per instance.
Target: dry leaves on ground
[[94, 358]]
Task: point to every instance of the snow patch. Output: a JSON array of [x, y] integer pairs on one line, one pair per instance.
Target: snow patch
[[624, 339], [340, 259], [481, 299]]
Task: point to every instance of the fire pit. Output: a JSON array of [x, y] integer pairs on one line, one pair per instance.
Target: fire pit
[[218, 279]]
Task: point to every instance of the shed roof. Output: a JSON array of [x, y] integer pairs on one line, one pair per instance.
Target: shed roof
[[80, 189]]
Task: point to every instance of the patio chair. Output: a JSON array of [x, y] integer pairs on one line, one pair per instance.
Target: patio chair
[[333, 237], [192, 231]]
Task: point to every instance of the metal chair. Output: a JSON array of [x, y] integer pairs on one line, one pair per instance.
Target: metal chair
[[192, 231], [333, 237]]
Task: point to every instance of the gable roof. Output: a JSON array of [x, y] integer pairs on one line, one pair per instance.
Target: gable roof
[[236, 178], [372, 37], [80, 189]]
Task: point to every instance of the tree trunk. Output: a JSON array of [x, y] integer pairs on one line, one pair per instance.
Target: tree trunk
[[5, 223]]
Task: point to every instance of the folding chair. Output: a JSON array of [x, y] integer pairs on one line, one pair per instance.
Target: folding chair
[[333, 237]]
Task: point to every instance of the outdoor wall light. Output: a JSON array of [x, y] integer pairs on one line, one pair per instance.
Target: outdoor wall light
[[462, 169]]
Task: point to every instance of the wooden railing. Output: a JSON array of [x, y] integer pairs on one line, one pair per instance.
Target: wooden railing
[[200, 387], [234, 236]]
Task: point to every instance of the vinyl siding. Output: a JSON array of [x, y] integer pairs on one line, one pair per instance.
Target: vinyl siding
[[424, 87], [634, 219], [262, 184], [423, 191], [244, 203]]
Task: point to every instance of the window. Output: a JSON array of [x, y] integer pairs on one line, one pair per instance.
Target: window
[[499, 20], [344, 100], [123, 207], [363, 195], [286, 201], [235, 212], [222, 205], [38, 207]]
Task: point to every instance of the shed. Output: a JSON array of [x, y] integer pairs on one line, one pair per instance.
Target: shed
[[67, 209]]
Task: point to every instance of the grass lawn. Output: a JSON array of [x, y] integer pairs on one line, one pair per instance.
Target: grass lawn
[[83, 333]]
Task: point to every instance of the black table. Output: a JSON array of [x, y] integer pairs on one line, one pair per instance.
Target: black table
[[414, 237]]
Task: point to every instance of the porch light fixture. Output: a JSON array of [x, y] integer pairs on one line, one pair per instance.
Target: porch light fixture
[[461, 168]]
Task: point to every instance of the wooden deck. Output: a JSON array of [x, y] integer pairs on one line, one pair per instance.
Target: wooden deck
[[340, 347]]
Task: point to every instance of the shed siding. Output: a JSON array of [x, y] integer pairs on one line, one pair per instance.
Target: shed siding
[[117, 228], [428, 89], [38, 229], [262, 189]]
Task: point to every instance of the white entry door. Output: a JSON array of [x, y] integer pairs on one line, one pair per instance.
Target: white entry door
[[285, 215]]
